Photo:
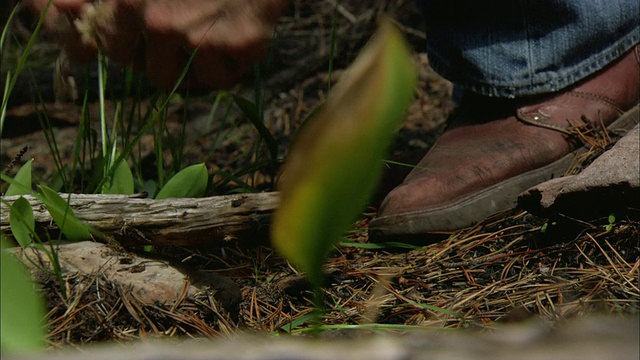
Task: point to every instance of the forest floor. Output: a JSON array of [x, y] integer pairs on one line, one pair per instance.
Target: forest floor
[[511, 266]]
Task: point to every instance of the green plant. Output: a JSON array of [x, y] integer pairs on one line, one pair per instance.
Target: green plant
[[23, 310], [22, 221], [612, 221], [101, 164], [12, 77], [108, 159], [190, 182], [336, 160]]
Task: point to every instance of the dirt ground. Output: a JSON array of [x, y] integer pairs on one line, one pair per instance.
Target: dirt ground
[[510, 267]]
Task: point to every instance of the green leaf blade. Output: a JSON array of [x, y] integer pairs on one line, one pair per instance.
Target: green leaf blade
[[21, 184], [62, 214], [191, 182], [121, 182], [22, 221], [337, 159], [251, 111], [23, 311]]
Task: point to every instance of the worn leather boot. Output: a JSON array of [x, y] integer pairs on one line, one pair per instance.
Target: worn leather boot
[[495, 148]]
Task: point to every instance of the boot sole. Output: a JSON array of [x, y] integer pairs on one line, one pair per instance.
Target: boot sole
[[502, 196]]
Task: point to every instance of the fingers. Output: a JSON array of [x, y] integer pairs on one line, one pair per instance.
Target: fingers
[[75, 48], [217, 69], [158, 36], [239, 28], [164, 59], [122, 40], [224, 33], [59, 25]]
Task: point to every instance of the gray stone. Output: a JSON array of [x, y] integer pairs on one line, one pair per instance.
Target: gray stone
[[610, 183]]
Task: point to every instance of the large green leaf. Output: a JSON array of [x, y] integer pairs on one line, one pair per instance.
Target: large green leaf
[[337, 159], [23, 311], [191, 182], [121, 182], [62, 214], [21, 184], [22, 221]]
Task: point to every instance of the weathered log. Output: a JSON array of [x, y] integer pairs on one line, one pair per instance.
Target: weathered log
[[132, 220]]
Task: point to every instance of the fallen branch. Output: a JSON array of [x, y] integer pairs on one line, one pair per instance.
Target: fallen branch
[[132, 220]]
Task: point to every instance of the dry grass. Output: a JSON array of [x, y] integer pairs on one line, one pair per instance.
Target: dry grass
[[504, 269], [512, 266]]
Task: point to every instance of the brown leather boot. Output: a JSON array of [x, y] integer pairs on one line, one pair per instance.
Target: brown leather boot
[[494, 149]]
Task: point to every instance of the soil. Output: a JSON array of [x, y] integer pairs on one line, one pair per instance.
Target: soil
[[510, 267]]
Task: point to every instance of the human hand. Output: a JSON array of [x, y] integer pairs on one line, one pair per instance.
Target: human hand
[[159, 36]]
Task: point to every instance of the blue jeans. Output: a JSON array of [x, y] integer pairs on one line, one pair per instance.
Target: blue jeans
[[511, 48]]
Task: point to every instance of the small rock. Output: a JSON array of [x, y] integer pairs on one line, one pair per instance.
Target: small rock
[[151, 280], [610, 183]]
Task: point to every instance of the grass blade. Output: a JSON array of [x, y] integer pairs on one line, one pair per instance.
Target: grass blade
[[252, 112], [20, 66]]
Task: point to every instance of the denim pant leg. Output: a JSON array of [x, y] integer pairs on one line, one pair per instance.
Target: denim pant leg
[[512, 48]]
